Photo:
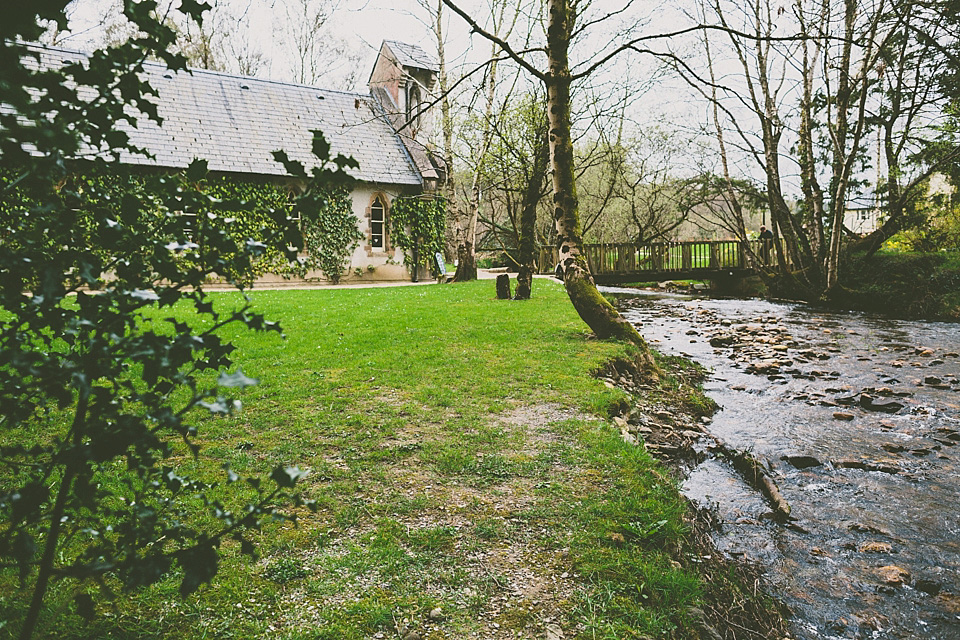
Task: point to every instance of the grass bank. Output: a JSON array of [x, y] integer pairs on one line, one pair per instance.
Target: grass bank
[[470, 483]]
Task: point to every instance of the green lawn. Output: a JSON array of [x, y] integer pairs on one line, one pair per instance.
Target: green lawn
[[461, 455]]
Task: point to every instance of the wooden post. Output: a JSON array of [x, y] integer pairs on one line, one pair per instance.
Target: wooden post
[[503, 287], [686, 257]]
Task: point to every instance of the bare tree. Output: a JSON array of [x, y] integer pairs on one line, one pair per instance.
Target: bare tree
[[317, 53], [565, 23], [801, 93]]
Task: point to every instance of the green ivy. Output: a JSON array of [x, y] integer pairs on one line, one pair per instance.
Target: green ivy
[[330, 231], [329, 227], [418, 219]]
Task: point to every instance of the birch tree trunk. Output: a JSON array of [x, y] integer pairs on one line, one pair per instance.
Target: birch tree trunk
[[446, 123]]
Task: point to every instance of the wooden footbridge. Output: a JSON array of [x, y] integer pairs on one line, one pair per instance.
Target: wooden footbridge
[[658, 261]]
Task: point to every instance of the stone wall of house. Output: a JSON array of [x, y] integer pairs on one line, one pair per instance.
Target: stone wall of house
[[383, 262]]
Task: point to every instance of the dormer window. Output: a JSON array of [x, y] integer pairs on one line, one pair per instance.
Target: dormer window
[[413, 106]]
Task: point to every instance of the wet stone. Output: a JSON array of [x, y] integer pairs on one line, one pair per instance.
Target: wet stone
[[875, 547], [928, 586], [893, 575], [840, 415], [802, 462], [866, 528]]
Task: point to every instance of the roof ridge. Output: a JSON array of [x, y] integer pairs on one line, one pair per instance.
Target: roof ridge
[[194, 71]]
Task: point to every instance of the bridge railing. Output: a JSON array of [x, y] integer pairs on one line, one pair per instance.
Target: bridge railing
[[665, 257]]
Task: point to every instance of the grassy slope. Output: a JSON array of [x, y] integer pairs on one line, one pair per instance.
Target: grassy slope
[[458, 451]]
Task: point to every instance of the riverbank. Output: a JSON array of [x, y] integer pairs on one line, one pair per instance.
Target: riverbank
[[903, 285], [913, 286], [478, 475]]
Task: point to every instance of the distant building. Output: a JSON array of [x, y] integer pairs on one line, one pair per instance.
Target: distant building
[[236, 122], [862, 214]]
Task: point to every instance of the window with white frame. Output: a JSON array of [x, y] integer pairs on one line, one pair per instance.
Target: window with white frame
[[378, 223]]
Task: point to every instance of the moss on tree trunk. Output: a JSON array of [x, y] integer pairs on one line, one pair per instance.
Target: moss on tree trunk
[[592, 307]]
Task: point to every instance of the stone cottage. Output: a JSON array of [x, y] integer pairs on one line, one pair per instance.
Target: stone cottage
[[236, 122]]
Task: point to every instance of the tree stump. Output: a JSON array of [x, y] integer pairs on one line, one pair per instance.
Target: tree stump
[[503, 286]]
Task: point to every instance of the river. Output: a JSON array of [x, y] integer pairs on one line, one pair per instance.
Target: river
[[857, 418]]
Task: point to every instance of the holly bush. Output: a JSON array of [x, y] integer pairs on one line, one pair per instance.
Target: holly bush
[[101, 382]]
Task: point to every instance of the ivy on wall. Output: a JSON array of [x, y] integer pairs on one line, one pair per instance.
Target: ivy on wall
[[418, 220], [329, 227], [330, 232]]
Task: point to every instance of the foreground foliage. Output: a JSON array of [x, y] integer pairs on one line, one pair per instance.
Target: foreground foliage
[[99, 383]]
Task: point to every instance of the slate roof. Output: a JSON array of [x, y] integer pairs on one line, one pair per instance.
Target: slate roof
[[236, 122], [410, 55]]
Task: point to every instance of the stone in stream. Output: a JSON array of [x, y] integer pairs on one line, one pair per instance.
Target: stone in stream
[[863, 465], [840, 415], [875, 547], [801, 462], [893, 575], [928, 586], [765, 366], [866, 528], [868, 403]]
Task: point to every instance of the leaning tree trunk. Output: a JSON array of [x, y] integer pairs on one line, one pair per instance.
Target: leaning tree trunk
[[592, 307]]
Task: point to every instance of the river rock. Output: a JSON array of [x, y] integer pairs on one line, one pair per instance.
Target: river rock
[[928, 586], [893, 575], [866, 528], [931, 380], [723, 340], [802, 462], [934, 363], [763, 367], [840, 415], [864, 465], [875, 547], [868, 403]]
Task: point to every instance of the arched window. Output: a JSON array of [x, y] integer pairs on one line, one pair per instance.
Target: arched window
[[378, 223]]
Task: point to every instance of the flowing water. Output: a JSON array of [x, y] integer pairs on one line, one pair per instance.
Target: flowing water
[[858, 420]]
